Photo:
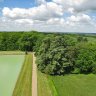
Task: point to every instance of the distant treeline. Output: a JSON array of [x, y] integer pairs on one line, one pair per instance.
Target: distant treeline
[[24, 41], [57, 54]]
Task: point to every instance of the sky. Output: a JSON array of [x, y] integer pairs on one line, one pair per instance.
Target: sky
[[48, 15]]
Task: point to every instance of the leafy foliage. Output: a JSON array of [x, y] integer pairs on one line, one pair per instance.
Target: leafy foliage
[[85, 59], [52, 56], [19, 40], [56, 53]]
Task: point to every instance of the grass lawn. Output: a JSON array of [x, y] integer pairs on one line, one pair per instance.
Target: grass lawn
[[10, 66], [24, 83], [45, 85], [75, 85], [68, 85]]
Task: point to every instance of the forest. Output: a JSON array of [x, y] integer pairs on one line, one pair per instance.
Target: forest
[[57, 53]]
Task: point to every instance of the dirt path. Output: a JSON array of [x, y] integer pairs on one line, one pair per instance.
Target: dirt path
[[34, 77]]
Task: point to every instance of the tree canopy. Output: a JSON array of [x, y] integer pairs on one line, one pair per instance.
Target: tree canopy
[[56, 54]]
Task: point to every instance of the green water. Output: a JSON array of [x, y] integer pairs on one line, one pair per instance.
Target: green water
[[10, 66]]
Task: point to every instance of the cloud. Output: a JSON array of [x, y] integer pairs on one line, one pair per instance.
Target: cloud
[[42, 12], [80, 19], [87, 5], [56, 15], [73, 23], [78, 5], [56, 21], [24, 21], [16, 25], [39, 2]]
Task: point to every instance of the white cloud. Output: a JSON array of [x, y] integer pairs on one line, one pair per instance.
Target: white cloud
[[24, 21], [78, 5], [42, 12], [71, 10], [82, 18], [56, 21], [57, 15]]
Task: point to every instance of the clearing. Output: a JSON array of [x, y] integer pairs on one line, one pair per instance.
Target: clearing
[[68, 85], [75, 85]]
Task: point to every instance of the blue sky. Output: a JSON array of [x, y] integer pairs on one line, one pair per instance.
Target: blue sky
[[48, 15], [17, 3]]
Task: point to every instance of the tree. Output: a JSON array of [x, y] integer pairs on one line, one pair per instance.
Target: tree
[[52, 56], [85, 59], [82, 39]]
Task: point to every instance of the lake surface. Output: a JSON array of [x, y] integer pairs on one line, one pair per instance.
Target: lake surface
[[10, 66]]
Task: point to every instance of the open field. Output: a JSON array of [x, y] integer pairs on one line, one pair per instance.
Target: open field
[[24, 84], [75, 85], [68, 85], [10, 66], [91, 39]]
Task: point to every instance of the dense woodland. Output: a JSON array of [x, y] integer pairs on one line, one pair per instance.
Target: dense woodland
[[57, 53]]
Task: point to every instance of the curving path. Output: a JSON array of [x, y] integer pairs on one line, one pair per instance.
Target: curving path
[[34, 77]]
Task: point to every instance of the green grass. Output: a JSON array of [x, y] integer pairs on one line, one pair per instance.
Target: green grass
[[12, 53], [10, 66], [75, 85], [45, 85], [24, 84], [91, 39], [68, 85]]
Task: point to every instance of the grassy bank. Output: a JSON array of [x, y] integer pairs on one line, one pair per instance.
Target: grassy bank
[[24, 83], [12, 53], [45, 85], [75, 85]]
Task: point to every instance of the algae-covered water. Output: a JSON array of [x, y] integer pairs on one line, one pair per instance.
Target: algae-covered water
[[10, 66]]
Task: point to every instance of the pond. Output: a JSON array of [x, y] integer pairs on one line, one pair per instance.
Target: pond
[[10, 66]]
